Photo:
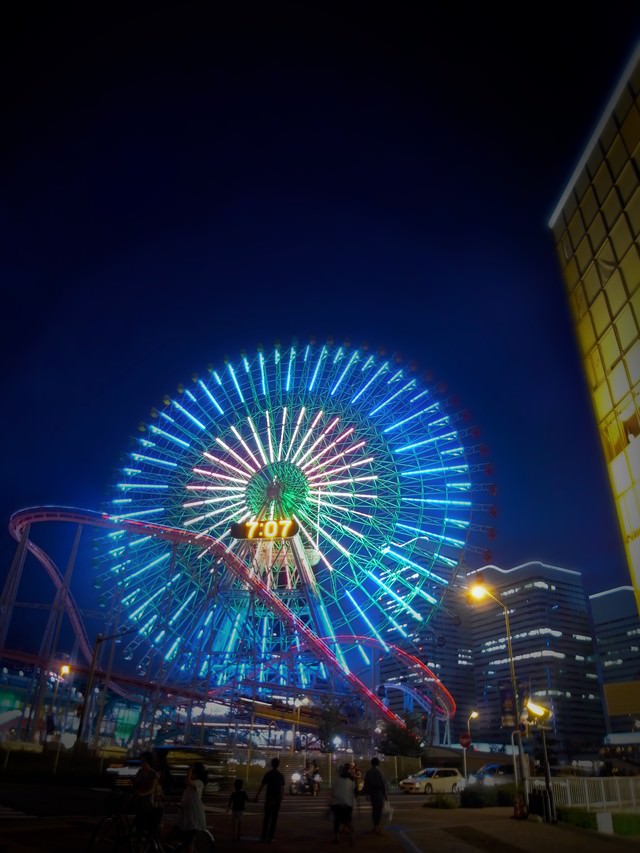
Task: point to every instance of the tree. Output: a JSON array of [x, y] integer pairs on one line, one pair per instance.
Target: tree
[[397, 740]]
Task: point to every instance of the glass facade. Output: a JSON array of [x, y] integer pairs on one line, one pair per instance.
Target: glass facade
[[553, 655], [617, 630], [596, 227]]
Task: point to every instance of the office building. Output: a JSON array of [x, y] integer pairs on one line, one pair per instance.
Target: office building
[[617, 633], [552, 651], [596, 227]]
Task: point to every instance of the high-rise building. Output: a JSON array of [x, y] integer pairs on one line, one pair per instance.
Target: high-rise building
[[445, 646], [596, 226], [552, 651], [617, 633]]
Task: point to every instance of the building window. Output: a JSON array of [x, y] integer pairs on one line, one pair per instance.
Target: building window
[[602, 182], [609, 349], [602, 400], [606, 261], [617, 156], [630, 266], [633, 212], [616, 295], [619, 382], [627, 182], [586, 334], [632, 361], [630, 130], [611, 207], [626, 327], [621, 236]]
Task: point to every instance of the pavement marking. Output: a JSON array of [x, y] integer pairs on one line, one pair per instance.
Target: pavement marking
[[406, 842]]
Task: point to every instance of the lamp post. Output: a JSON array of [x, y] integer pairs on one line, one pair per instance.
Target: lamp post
[[100, 638], [65, 669], [542, 716], [478, 591], [472, 716], [298, 702]]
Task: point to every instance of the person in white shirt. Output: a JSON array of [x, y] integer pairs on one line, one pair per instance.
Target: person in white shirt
[[343, 799]]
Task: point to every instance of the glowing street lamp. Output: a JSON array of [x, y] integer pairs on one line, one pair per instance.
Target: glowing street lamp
[[65, 669], [543, 715], [472, 716], [298, 702], [478, 591]]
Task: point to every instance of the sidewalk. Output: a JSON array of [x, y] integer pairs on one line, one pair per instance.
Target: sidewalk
[[427, 831], [303, 828]]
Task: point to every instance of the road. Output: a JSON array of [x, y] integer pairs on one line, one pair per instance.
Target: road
[[41, 818]]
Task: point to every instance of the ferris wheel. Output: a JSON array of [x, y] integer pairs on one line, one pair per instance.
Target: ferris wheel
[[336, 476]]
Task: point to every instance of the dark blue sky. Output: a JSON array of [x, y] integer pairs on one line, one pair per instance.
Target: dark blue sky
[[179, 187]]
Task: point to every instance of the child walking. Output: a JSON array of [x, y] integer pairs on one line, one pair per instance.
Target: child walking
[[237, 802]]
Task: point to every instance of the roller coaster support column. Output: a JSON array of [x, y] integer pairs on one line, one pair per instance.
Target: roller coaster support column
[[84, 713], [12, 583]]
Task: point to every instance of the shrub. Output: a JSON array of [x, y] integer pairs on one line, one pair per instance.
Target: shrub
[[577, 817], [478, 797], [626, 823], [441, 801]]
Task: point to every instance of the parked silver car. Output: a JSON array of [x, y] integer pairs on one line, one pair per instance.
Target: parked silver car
[[433, 780]]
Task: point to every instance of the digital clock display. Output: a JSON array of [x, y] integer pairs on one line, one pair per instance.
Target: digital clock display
[[260, 528]]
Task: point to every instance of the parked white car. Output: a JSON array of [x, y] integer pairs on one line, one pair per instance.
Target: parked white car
[[433, 780]]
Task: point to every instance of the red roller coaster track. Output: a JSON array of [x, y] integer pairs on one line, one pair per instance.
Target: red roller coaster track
[[21, 521]]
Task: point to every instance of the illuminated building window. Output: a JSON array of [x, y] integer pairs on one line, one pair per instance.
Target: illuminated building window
[[602, 400], [612, 207], [619, 382], [626, 327], [630, 269], [621, 236], [633, 363]]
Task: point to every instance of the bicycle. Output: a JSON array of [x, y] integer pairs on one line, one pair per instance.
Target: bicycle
[[120, 832]]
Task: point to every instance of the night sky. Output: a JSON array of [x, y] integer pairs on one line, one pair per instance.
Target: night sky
[[180, 186]]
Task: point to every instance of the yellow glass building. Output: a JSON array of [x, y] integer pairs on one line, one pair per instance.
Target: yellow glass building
[[596, 226]]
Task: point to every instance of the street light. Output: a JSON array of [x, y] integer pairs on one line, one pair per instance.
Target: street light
[[472, 716], [543, 715], [100, 638], [298, 702], [65, 669], [478, 591]]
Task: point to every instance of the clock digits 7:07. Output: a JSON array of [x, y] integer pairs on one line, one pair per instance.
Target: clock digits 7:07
[[259, 528]]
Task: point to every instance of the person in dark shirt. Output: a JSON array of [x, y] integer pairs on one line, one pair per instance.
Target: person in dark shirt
[[273, 782], [237, 802], [375, 788]]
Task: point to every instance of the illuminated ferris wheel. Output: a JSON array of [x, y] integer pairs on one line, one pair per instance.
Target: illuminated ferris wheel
[[339, 479]]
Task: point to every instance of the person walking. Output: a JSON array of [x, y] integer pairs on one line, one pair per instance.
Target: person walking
[[375, 788], [343, 799], [146, 803], [237, 802], [193, 819], [273, 782]]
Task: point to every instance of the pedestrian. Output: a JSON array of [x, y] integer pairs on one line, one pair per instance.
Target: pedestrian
[[273, 782], [193, 820], [343, 799], [147, 795], [237, 802], [375, 788]]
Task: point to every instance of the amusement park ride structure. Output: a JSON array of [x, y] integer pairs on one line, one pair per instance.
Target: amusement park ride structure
[[279, 526]]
